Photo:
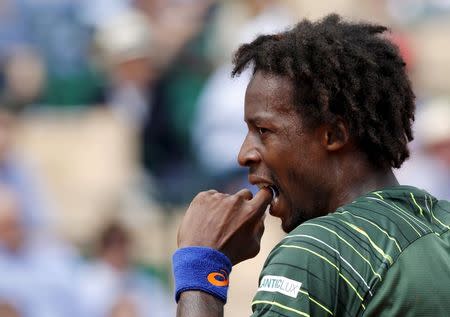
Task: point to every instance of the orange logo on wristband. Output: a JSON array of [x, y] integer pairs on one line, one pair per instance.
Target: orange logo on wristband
[[218, 279]]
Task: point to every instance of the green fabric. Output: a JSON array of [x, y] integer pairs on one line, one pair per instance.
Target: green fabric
[[80, 89], [367, 258], [418, 283]]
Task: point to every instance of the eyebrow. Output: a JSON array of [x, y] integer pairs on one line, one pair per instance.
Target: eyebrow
[[260, 119], [256, 119]]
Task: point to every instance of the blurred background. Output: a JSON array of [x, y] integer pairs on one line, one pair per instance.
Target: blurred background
[[115, 113]]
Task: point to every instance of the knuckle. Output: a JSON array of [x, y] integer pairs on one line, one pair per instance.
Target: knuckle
[[200, 195], [209, 192], [204, 194]]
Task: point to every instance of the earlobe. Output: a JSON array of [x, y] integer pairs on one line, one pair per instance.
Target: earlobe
[[335, 135]]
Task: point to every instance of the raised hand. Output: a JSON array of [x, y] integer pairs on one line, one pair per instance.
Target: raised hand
[[231, 224]]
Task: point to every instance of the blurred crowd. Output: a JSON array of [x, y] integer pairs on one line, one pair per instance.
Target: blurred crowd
[[114, 113]]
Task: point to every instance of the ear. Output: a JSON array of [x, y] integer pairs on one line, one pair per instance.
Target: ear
[[335, 135]]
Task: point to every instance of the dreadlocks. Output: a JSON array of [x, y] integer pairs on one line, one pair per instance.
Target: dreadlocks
[[346, 70]]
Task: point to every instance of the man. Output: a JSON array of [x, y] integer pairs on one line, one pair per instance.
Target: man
[[329, 112], [36, 272], [111, 285]]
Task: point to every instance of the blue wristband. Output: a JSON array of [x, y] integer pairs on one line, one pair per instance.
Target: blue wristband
[[202, 269]]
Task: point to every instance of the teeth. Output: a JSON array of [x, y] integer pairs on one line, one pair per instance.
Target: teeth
[[274, 192]]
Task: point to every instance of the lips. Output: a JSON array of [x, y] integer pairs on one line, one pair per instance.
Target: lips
[[261, 182]]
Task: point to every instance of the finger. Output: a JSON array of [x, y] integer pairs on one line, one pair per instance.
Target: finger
[[261, 200], [245, 193]]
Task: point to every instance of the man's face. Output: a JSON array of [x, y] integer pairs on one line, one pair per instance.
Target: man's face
[[282, 153]]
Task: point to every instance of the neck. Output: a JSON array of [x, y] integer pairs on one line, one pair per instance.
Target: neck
[[359, 179]]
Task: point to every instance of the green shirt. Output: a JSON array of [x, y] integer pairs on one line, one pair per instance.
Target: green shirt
[[385, 254]]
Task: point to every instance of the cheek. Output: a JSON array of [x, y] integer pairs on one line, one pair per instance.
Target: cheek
[[306, 184], [304, 166]]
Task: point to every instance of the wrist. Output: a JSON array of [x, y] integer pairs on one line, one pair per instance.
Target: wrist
[[202, 269]]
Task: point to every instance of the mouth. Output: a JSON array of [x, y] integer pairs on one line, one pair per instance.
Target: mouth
[[261, 182], [274, 189], [265, 183], [276, 205]]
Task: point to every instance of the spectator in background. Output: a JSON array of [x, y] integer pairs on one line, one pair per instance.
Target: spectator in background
[[155, 69], [174, 24], [181, 30], [24, 79], [429, 166], [250, 18], [36, 274], [100, 12], [111, 286], [125, 46], [8, 310], [218, 127], [15, 174], [12, 29], [434, 128], [56, 30]]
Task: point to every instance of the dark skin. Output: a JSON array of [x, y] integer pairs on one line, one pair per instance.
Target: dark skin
[[313, 170]]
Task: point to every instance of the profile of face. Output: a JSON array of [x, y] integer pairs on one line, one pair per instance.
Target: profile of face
[[282, 153]]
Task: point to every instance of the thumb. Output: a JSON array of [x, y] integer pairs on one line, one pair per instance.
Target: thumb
[[260, 201]]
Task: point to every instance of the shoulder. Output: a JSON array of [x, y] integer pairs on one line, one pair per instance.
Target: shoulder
[[310, 243], [333, 262], [326, 241], [303, 273], [341, 260]]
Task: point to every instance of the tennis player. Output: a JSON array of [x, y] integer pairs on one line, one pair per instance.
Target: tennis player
[[329, 111]]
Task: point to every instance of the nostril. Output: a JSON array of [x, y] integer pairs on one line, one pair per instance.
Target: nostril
[[248, 157], [248, 153]]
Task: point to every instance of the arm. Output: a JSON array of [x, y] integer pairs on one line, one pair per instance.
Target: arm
[[199, 304], [231, 224]]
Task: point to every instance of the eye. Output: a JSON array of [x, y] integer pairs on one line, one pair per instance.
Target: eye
[[262, 131]]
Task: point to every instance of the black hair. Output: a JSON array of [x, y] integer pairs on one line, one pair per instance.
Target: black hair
[[347, 70]]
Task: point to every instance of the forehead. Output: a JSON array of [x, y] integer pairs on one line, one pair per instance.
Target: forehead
[[269, 96]]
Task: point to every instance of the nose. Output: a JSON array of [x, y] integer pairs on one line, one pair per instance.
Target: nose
[[248, 154]]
